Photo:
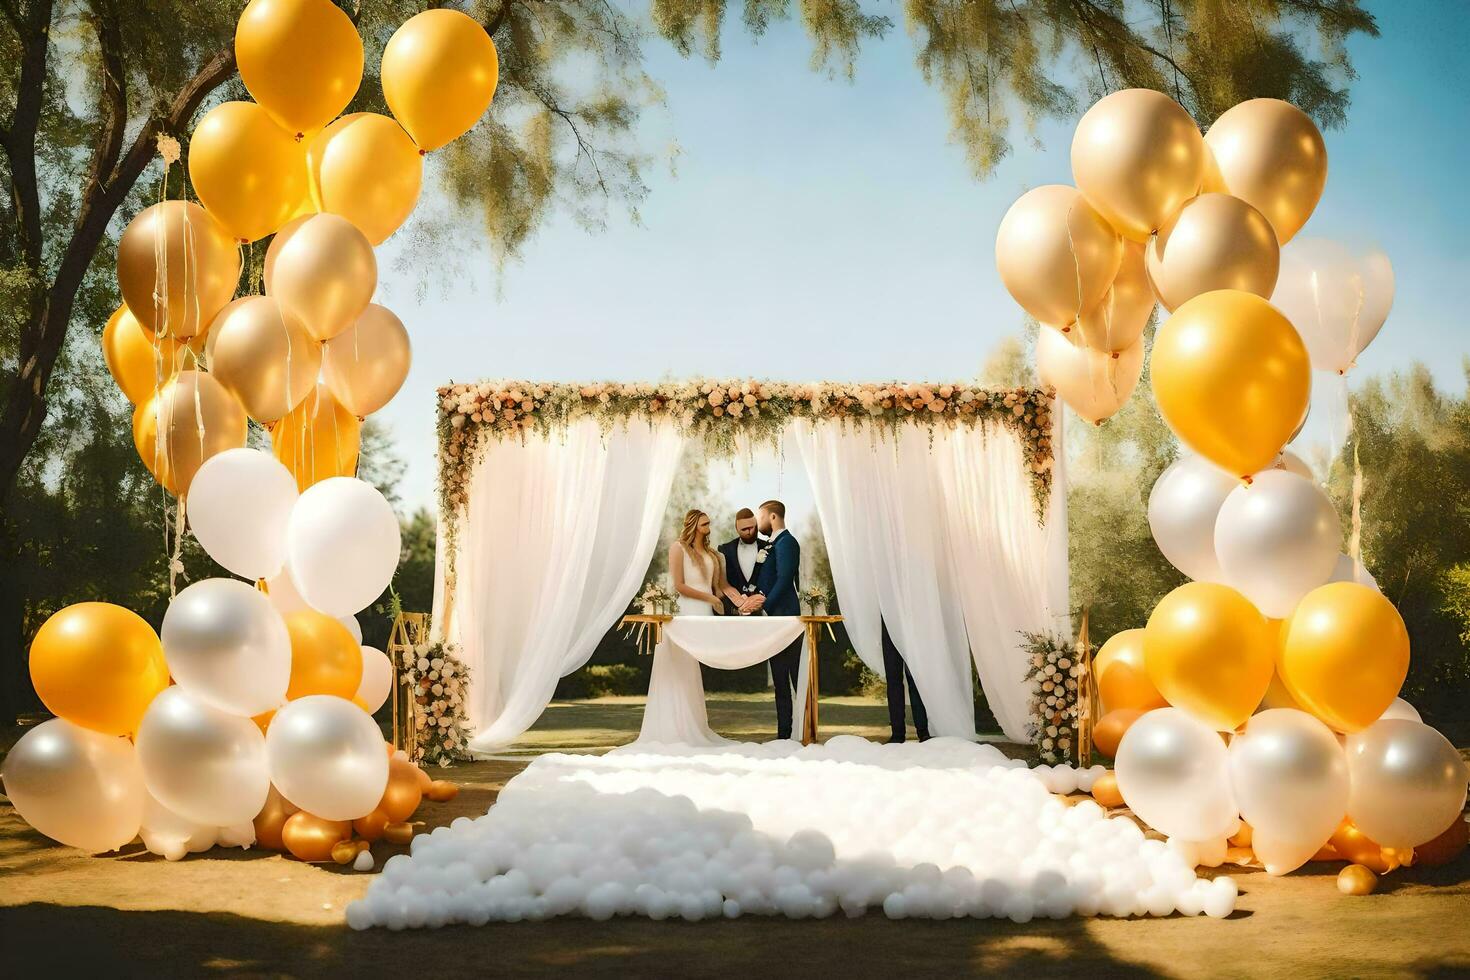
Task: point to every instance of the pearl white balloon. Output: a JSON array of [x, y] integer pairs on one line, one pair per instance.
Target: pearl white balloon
[[1174, 773], [75, 785], [377, 679], [1402, 711], [1408, 782], [353, 627], [1337, 300], [204, 764], [238, 505], [284, 595], [1347, 570], [226, 645], [1290, 780], [1277, 540], [166, 833], [326, 757], [342, 545], [1293, 463], [1182, 508]]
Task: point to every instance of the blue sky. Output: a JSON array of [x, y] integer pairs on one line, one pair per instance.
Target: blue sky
[[818, 228]]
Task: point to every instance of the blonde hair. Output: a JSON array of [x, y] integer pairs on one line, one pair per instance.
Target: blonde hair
[[690, 538]]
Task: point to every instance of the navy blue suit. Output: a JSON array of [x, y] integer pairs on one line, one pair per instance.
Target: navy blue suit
[[733, 574], [776, 579]]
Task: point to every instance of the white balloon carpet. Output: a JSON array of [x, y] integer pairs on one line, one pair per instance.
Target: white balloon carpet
[[942, 829]]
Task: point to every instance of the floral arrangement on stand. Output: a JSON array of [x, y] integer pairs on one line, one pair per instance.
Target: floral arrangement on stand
[[657, 599], [1053, 675], [438, 681], [814, 600]]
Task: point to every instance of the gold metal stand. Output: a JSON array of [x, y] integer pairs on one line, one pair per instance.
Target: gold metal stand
[[409, 630], [1087, 698], [649, 629], [814, 626]]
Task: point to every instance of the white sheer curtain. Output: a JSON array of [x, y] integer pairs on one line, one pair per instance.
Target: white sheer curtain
[[1012, 570], [558, 534]]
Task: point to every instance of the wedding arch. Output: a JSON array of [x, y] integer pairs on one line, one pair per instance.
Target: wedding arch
[[942, 507]]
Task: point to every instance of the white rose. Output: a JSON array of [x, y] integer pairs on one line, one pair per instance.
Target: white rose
[[423, 663]]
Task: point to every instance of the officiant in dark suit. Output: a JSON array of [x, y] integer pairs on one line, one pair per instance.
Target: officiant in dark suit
[[743, 556]]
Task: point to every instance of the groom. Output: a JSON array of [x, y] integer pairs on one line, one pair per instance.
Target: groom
[[775, 582]]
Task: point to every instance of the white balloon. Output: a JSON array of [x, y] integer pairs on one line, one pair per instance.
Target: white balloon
[[1337, 301], [1174, 773], [353, 627], [1293, 463], [1408, 782], [202, 763], [1277, 540], [1182, 508], [284, 595], [238, 505], [326, 757], [342, 545], [1401, 710], [1347, 570], [226, 645], [166, 833], [75, 785], [1290, 780], [377, 679]]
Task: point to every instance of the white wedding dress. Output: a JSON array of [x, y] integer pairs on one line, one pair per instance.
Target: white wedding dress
[[675, 714]]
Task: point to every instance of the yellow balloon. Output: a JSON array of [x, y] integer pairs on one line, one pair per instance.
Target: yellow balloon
[[249, 172], [365, 366], [1119, 318], [439, 73], [191, 419], [1271, 155], [266, 359], [1094, 384], [325, 659], [99, 666], [1138, 156], [1344, 655], [318, 439], [1055, 254], [300, 59], [177, 268], [365, 168], [139, 362], [1232, 379], [323, 272], [1214, 242], [1210, 652], [1122, 677]]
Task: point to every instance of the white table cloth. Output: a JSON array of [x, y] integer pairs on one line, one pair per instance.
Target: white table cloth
[[675, 713]]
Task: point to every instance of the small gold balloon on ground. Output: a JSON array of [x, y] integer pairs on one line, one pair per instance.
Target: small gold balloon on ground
[[370, 827], [310, 838], [1356, 880], [344, 852], [442, 791], [398, 833]]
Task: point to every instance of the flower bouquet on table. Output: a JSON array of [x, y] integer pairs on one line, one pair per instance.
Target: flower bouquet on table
[[437, 681], [657, 599], [814, 600], [1053, 675]]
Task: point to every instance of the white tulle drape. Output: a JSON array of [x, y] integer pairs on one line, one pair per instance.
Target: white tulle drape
[[937, 534], [557, 537]]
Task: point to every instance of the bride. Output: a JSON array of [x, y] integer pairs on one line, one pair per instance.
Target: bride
[[699, 575]]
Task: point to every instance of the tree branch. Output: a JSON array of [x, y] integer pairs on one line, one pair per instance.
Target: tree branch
[[114, 105]]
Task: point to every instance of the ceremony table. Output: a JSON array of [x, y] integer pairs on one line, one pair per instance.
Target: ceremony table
[[728, 643]]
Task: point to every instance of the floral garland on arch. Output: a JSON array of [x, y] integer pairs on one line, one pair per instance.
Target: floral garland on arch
[[722, 413], [436, 680]]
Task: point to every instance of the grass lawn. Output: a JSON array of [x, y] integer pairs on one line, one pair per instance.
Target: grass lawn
[[66, 914]]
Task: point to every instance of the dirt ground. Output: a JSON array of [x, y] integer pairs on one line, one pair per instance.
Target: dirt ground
[[63, 913]]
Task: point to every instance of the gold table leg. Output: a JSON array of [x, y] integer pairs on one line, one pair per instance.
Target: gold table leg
[[809, 721]]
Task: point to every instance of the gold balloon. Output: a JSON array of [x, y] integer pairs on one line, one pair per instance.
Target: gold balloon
[[425, 780], [1094, 384], [1118, 320], [398, 833], [191, 419], [1108, 733], [367, 364], [1271, 155], [310, 838], [249, 172], [1055, 254], [1356, 880], [323, 273], [139, 362], [300, 59], [317, 440], [365, 168], [442, 791], [265, 359], [268, 266], [1105, 791], [439, 73], [1232, 379], [1138, 157], [1214, 242], [98, 666], [270, 822], [1242, 837], [1122, 677], [402, 795], [371, 827], [325, 659], [345, 851], [1353, 845], [1445, 848], [1209, 652], [1344, 655], [177, 268]]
